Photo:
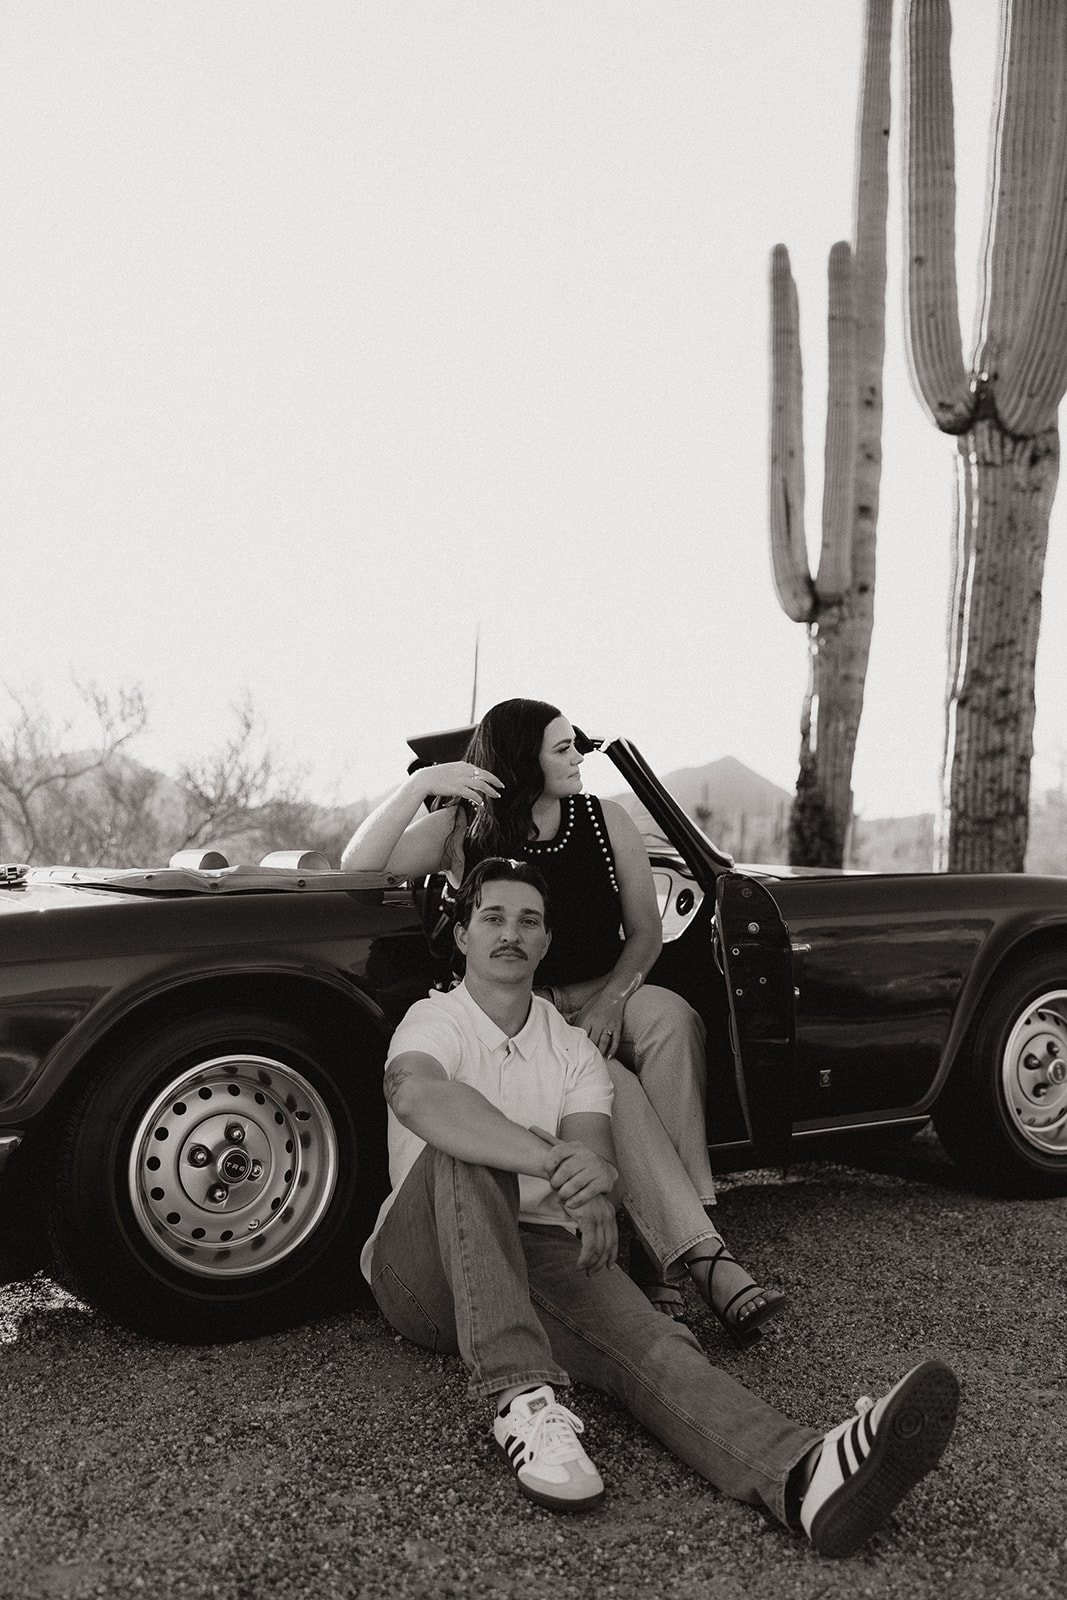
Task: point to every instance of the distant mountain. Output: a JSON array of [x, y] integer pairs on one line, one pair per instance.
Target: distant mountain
[[748, 816], [743, 813], [727, 787]]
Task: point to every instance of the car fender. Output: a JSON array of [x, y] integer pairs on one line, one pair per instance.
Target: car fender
[[1011, 939], [283, 981]]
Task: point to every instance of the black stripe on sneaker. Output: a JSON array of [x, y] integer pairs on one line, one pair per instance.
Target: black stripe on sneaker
[[842, 1457], [867, 1429]]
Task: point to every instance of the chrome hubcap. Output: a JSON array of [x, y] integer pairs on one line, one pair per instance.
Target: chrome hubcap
[[1034, 1074], [233, 1166]]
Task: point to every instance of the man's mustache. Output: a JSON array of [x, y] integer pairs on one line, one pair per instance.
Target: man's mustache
[[510, 950]]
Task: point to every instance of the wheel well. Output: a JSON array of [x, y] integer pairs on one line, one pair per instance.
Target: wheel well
[[1037, 945], [1043, 942], [336, 1019], [980, 1119]]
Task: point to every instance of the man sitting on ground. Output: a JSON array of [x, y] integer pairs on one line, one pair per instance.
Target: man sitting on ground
[[498, 1242]]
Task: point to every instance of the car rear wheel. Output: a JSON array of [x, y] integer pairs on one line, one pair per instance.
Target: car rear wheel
[[1003, 1115], [217, 1179]]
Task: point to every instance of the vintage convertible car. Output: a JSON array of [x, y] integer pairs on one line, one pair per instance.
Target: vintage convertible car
[[191, 1118]]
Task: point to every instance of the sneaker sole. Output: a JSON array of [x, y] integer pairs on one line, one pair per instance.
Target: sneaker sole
[[548, 1501], [915, 1428]]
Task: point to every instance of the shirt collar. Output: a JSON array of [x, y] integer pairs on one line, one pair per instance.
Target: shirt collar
[[487, 1032]]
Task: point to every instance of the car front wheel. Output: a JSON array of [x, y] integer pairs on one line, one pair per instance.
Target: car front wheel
[[1003, 1115], [217, 1179]]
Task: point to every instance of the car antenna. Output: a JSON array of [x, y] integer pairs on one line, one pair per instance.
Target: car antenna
[[474, 685]]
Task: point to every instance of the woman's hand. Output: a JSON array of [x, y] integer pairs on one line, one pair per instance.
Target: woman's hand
[[601, 1017], [460, 780]]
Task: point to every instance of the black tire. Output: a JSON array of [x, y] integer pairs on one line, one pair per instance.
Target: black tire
[[1003, 1114], [216, 1179]]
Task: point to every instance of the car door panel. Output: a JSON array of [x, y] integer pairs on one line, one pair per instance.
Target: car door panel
[[757, 962]]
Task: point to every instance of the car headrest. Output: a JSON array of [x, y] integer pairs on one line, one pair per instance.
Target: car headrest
[[451, 745]]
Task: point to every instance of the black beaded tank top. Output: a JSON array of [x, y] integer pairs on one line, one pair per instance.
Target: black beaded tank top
[[579, 867]]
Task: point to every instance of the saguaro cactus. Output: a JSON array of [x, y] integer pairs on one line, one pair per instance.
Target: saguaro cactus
[[837, 605], [1002, 409]]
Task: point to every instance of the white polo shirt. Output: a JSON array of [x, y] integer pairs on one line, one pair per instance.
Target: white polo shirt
[[548, 1071]]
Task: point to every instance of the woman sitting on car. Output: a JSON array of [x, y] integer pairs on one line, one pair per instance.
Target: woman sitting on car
[[518, 793]]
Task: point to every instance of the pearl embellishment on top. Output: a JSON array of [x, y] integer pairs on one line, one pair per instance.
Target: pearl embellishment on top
[[542, 847]]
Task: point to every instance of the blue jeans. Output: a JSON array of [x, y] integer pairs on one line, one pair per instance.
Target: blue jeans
[[455, 1271]]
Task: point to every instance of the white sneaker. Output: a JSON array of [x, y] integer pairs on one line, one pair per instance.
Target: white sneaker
[[539, 1438], [869, 1463]]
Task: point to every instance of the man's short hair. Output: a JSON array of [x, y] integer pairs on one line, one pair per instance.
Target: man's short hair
[[496, 869]]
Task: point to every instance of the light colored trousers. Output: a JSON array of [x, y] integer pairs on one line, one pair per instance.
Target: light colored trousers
[[455, 1271], [660, 1078]]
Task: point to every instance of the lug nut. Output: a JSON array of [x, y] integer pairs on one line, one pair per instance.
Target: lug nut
[[235, 1134], [1030, 1062], [256, 1170], [198, 1156], [217, 1193]]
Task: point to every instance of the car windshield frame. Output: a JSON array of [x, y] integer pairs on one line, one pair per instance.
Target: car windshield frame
[[703, 858], [238, 879]]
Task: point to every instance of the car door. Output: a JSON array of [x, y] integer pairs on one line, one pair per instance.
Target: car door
[[757, 965], [756, 957]]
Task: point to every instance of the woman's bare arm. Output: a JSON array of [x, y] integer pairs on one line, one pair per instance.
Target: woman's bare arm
[[394, 838], [601, 1015]]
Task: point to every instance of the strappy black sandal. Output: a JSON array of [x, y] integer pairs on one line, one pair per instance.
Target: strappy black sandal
[[742, 1330]]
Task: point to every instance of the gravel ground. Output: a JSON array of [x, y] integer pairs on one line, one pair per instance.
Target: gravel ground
[[336, 1460]]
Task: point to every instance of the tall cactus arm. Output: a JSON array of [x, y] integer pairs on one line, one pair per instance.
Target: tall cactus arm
[[935, 349], [1033, 366], [1029, 400], [1024, 135], [834, 576], [789, 553], [870, 201]]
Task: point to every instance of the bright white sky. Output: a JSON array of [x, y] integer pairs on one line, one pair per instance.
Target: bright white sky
[[332, 329]]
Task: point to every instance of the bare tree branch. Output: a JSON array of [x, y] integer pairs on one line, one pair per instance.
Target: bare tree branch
[[228, 788]]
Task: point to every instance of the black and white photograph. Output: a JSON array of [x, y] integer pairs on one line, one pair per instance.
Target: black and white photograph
[[533, 800]]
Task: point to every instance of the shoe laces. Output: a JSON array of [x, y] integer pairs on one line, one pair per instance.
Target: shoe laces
[[550, 1434]]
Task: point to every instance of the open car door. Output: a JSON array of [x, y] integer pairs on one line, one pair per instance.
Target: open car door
[[758, 967], [757, 963]]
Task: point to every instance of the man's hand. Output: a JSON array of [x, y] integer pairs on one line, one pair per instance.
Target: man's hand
[[576, 1173], [599, 1233]]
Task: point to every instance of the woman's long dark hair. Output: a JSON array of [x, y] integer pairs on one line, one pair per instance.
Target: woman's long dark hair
[[507, 742]]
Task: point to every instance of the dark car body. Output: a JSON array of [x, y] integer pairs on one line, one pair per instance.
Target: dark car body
[[191, 1118]]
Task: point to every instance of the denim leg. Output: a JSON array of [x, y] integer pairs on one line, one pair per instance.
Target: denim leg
[[659, 1195], [448, 1272], [663, 1041], [607, 1335]]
